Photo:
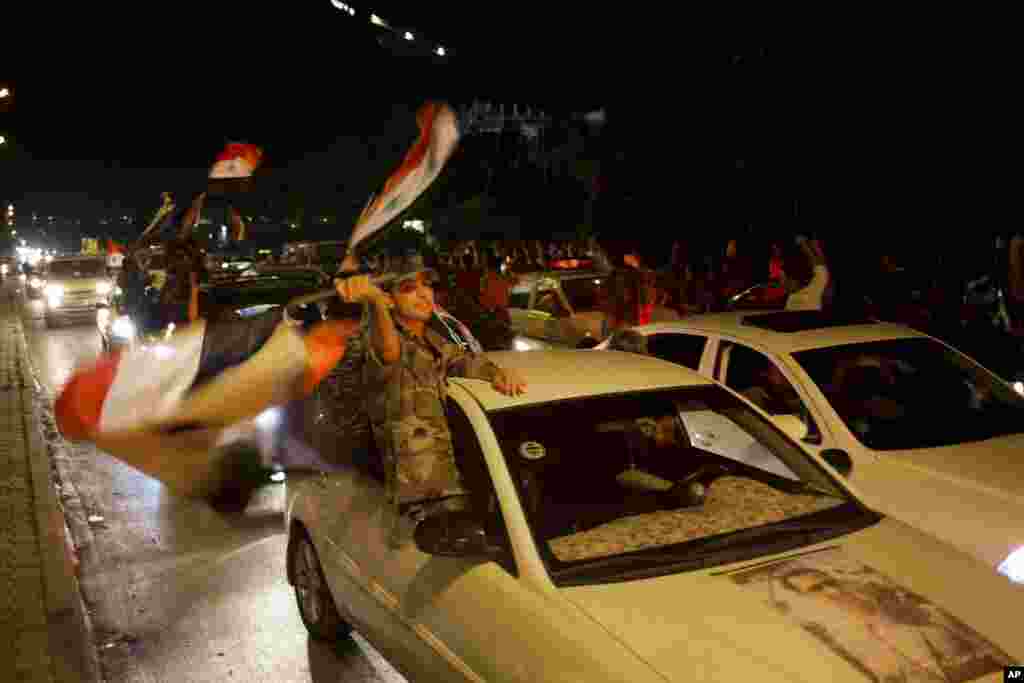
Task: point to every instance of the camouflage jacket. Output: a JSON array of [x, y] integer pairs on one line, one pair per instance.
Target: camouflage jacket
[[406, 406]]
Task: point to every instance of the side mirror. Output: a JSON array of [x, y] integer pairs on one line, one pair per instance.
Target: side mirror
[[839, 459], [792, 425], [454, 534]]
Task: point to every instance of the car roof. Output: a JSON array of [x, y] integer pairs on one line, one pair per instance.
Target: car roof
[[558, 375], [528, 279], [816, 332]]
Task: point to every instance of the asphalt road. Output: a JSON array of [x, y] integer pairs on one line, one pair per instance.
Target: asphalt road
[[178, 591]]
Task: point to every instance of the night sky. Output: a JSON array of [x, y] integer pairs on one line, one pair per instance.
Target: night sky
[[861, 139]]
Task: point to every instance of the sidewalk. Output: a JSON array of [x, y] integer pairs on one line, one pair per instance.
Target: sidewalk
[[41, 611]]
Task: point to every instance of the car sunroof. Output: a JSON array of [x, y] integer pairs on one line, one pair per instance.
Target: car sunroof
[[801, 321]]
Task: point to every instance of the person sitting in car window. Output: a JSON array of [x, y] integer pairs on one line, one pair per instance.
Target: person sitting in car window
[[773, 393], [405, 372]]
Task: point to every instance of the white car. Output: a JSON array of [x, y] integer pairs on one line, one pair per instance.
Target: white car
[[934, 439], [559, 309], [605, 544], [74, 287]]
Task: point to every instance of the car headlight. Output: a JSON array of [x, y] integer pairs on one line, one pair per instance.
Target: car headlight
[[1013, 566], [3, 269], [35, 283], [525, 344], [269, 419], [54, 291], [103, 288], [123, 328]]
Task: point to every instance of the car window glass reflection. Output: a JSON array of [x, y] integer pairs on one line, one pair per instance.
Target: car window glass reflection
[[885, 394]]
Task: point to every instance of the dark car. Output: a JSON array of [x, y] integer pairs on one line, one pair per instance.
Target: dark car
[[223, 299]]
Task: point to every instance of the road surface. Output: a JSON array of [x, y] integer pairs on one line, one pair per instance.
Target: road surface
[[178, 591]]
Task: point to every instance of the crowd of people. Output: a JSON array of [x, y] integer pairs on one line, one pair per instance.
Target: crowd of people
[[932, 290], [641, 285]]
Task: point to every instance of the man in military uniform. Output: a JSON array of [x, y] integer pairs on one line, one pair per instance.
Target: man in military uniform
[[405, 372]]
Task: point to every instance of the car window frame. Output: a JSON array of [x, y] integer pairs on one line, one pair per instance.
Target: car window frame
[[525, 558], [794, 375], [470, 450]]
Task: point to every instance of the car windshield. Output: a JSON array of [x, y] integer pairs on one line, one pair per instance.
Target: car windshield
[[621, 476], [584, 293], [83, 268], [913, 393]]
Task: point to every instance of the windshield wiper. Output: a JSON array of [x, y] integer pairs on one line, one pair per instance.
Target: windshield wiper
[[808, 487], [697, 554], [807, 531]]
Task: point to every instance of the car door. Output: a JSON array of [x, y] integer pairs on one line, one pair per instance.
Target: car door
[[491, 622], [771, 385], [440, 604], [365, 567]]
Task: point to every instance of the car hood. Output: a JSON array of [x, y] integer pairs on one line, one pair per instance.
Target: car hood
[[78, 284], [969, 494], [994, 466], [723, 624]]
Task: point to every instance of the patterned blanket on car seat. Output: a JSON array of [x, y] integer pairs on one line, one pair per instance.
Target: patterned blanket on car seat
[[732, 503]]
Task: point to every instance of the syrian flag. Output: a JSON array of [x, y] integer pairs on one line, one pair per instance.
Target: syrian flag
[[115, 254], [439, 136], [236, 161], [161, 408]]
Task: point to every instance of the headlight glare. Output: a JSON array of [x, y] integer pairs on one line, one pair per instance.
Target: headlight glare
[[54, 291], [1013, 566], [269, 419], [123, 328], [103, 287]]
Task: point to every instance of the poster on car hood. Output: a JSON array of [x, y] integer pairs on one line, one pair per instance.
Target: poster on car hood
[[883, 630]]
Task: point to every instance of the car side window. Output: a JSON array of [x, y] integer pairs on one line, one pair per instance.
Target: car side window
[[759, 379], [681, 349], [628, 340], [469, 458]]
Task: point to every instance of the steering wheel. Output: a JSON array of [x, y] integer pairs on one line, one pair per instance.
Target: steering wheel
[[692, 490]]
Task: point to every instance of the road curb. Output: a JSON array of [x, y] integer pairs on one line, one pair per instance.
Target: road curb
[[72, 649]]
